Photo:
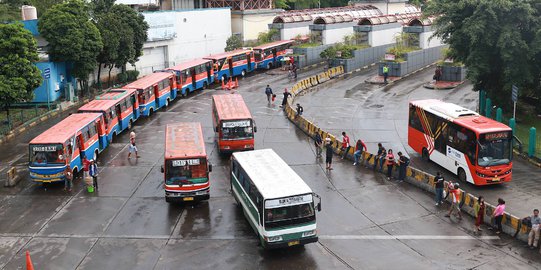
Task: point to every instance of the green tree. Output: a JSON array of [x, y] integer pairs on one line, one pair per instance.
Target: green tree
[[108, 25], [498, 41], [233, 43], [133, 35], [43, 5], [10, 10], [18, 74], [72, 37]]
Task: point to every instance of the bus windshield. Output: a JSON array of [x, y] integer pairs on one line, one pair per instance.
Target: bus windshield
[[237, 130], [295, 214], [494, 149], [46, 154], [186, 171]]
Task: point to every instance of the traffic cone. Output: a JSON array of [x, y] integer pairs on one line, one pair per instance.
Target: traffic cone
[[29, 265], [237, 83], [223, 86]]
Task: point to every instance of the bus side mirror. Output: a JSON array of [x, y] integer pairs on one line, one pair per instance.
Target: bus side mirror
[[216, 129], [210, 167], [255, 129], [318, 206], [161, 169]]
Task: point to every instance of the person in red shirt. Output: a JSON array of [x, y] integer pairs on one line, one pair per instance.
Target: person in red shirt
[[345, 144], [86, 165], [360, 147]]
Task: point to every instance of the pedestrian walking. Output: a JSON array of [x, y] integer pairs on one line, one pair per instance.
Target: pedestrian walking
[[86, 164], [533, 236], [299, 109], [318, 143], [345, 144], [385, 73], [498, 215], [390, 163], [328, 153], [360, 147], [294, 66], [132, 148], [268, 92], [479, 211], [403, 163], [93, 170], [439, 181], [455, 193], [284, 100], [378, 155], [68, 178]]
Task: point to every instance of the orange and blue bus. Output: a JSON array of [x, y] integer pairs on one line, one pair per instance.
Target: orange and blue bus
[[193, 75], [186, 167], [127, 105], [270, 55], [111, 114], [156, 90], [233, 123], [66, 143], [230, 64]]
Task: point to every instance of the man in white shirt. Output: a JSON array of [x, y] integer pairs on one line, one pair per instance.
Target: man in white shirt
[[533, 237]]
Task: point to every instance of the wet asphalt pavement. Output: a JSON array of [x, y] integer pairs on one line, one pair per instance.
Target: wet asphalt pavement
[[367, 222]]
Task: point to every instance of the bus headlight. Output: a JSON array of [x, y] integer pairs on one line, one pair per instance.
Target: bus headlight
[[480, 174], [274, 238], [508, 172], [309, 233]]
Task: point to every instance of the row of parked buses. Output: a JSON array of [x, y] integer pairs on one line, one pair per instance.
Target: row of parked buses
[[97, 123]]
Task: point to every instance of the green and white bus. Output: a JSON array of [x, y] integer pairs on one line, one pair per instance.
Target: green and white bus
[[277, 203]]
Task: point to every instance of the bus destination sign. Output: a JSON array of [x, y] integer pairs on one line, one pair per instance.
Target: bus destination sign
[[50, 148], [496, 136], [184, 162], [288, 201], [242, 123]]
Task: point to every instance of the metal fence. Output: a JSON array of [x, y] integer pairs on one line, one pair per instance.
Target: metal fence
[[20, 114]]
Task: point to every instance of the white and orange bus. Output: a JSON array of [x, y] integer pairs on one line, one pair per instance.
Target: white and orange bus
[[186, 167], [475, 148], [233, 123]]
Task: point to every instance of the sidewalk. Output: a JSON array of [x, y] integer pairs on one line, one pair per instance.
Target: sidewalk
[[442, 85]]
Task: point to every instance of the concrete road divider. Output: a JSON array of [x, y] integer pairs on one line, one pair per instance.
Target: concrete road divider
[[512, 225]]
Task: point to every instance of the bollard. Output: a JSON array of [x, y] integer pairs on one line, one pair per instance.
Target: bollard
[[512, 124], [531, 145], [488, 108], [482, 100], [499, 113]]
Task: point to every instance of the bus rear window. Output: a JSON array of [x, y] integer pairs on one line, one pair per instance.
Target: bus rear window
[[235, 130], [46, 154]]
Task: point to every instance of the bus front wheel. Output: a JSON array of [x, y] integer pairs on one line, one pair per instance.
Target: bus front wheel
[[425, 155], [461, 175], [167, 200]]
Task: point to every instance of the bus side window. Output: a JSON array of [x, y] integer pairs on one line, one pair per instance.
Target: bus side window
[[414, 120], [84, 132], [92, 130]]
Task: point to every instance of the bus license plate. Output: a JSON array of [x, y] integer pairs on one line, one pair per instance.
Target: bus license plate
[[292, 243], [496, 179], [187, 198]]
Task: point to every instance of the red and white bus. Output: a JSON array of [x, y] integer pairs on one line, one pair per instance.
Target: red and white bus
[[230, 64], [193, 75], [186, 167], [156, 90], [476, 148], [233, 123], [79, 135], [270, 55]]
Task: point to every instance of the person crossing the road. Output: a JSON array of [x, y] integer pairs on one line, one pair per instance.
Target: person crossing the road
[[328, 153], [268, 92], [385, 73], [318, 143], [93, 171]]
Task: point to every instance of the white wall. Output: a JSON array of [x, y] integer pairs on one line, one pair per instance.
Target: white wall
[[424, 42], [331, 36], [383, 37], [183, 35], [290, 33], [253, 24], [137, 2]]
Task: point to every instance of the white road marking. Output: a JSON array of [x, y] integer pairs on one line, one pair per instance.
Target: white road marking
[[407, 237]]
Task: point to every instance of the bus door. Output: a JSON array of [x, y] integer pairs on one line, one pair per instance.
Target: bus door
[[118, 111], [194, 78], [102, 138], [249, 58], [274, 52], [230, 62], [79, 141], [156, 95], [209, 69], [135, 106]]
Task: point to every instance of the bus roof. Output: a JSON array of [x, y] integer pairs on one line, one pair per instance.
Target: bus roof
[[183, 140], [271, 174], [461, 116], [273, 44], [149, 80], [189, 64], [99, 105], [116, 93], [231, 107], [66, 128], [226, 54]]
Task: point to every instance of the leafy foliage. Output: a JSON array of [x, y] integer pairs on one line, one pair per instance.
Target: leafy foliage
[[18, 74], [346, 51], [499, 42], [303, 4], [404, 43], [72, 37], [266, 37], [133, 34], [233, 43]]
